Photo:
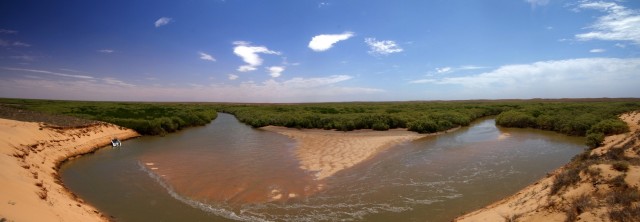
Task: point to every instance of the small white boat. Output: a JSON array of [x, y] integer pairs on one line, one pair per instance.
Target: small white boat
[[115, 142]]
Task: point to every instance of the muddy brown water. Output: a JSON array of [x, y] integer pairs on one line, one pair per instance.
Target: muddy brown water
[[229, 171]]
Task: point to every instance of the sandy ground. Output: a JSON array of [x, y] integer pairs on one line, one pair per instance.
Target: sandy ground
[[30, 154], [534, 203], [327, 152]]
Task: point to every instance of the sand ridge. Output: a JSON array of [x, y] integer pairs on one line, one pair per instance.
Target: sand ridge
[[30, 154], [326, 152], [536, 203]]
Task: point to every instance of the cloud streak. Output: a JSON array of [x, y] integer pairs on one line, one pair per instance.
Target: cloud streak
[[49, 73], [206, 57], [586, 77], [324, 42], [319, 89]]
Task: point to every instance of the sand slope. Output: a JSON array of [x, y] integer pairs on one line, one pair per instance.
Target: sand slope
[[590, 199], [327, 152], [29, 155]]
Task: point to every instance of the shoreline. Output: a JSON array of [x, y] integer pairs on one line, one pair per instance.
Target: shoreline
[[31, 156], [327, 152], [593, 188]]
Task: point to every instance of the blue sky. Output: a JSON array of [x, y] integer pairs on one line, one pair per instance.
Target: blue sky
[[317, 51]]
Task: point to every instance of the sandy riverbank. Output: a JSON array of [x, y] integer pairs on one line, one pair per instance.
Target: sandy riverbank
[[599, 193], [29, 157], [327, 152]]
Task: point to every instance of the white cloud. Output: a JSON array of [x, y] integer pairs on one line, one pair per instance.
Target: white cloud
[[448, 69], [163, 21], [620, 45], [21, 44], [618, 24], [207, 57], [324, 42], [443, 70], [588, 77], [113, 81], [249, 54], [7, 31], [276, 71], [107, 51], [49, 73], [233, 76], [597, 50], [383, 47]]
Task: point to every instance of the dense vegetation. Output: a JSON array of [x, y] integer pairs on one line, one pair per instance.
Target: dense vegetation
[[145, 118], [595, 120], [422, 117], [591, 118]]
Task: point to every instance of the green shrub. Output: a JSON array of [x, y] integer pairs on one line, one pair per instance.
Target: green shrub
[[595, 139], [514, 118]]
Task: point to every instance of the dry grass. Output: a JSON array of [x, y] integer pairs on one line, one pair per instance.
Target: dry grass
[[622, 166], [565, 179], [578, 206]]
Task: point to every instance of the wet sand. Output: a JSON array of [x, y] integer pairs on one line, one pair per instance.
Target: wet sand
[[535, 203], [327, 152], [30, 154]]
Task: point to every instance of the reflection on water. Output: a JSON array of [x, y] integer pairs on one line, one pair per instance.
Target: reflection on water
[[227, 170]]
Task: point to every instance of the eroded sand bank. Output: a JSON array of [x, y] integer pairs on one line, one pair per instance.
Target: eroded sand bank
[[327, 152], [535, 203], [29, 156]]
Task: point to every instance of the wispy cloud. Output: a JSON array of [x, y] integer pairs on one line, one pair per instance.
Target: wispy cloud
[[48, 72], [163, 21], [587, 77], [7, 31], [383, 47], [232, 76], [324, 42], [113, 81], [448, 69], [21, 44], [319, 89], [275, 71], [249, 55], [107, 51], [618, 24], [5, 43], [597, 50], [207, 57]]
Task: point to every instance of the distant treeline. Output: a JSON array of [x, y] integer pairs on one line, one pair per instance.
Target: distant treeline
[[594, 118], [145, 118], [422, 117]]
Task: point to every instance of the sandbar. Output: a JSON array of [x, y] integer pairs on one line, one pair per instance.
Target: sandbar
[[327, 152]]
